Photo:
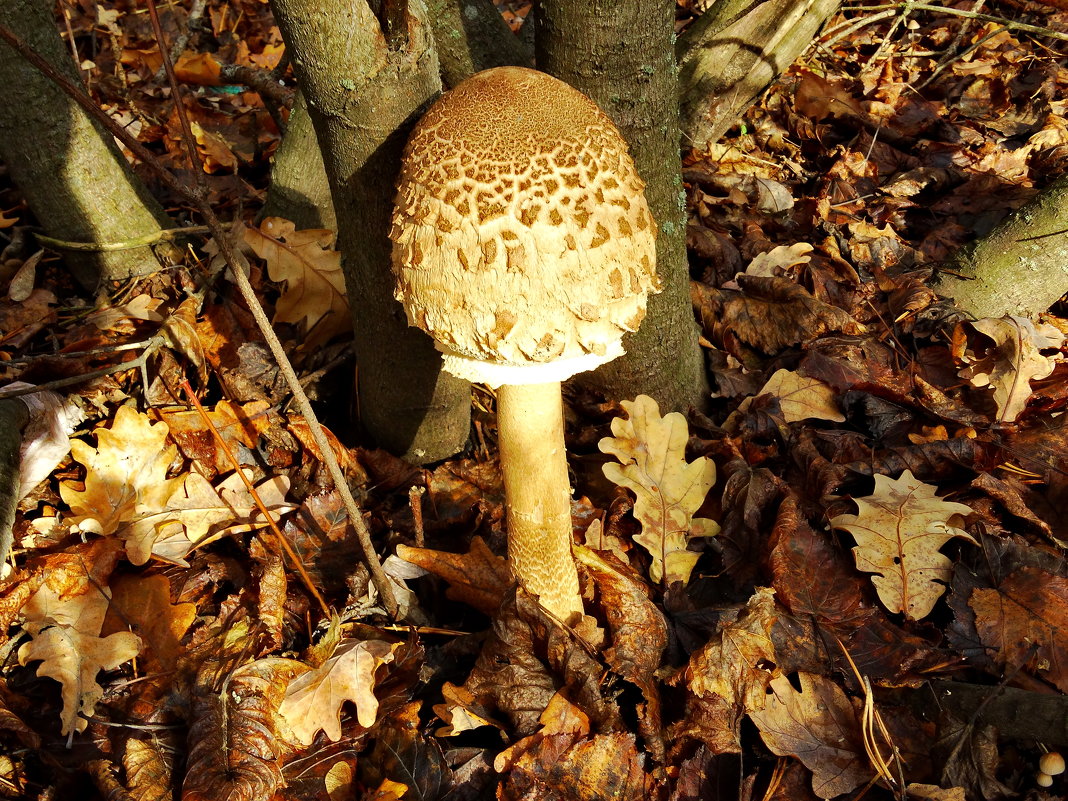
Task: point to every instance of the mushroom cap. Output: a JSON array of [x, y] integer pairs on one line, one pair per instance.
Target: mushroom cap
[[522, 240]]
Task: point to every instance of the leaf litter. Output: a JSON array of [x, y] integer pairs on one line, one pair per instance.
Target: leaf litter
[[770, 585]]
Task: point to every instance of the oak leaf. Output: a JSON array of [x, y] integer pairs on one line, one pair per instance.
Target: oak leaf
[[128, 494], [898, 531], [818, 726], [1014, 362], [313, 700], [125, 478], [74, 658], [668, 490], [64, 618], [311, 268]]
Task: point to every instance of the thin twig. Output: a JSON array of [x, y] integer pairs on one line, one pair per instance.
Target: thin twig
[[298, 563], [153, 238], [196, 12]]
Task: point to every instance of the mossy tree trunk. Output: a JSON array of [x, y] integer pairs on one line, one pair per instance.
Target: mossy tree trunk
[[622, 56], [471, 36], [730, 54], [75, 179], [365, 81], [1021, 267], [300, 190]]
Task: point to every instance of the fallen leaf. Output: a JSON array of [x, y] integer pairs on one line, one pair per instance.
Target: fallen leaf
[[1023, 622], [739, 663], [315, 287], [669, 490], [898, 530], [1013, 363], [477, 578], [800, 398], [143, 603], [818, 726], [125, 476], [64, 618], [313, 700], [779, 260]]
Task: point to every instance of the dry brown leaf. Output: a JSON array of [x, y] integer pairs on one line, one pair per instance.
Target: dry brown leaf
[[125, 477], [180, 333], [560, 720], [311, 268], [215, 152], [143, 603], [819, 727], [768, 314], [198, 68], [65, 617], [1023, 621], [140, 307], [779, 260], [668, 490], [739, 662], [1013, 363], [149, 769], [477, 578], [638, 632], [800, 398], [234, 745], [313, 700], [898, 530]]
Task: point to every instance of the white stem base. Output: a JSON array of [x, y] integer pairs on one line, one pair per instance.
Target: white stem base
[[530, 424]]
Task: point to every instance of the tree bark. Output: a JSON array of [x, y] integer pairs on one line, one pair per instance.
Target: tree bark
[[1021, 267], [621, 55], [76, 180], [471, 36], [364, 85], [729, 55], [300, 190]]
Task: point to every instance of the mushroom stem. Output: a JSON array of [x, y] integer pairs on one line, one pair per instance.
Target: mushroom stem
[[530, 425]]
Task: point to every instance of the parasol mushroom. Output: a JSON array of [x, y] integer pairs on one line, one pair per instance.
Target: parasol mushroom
[[524, 246]]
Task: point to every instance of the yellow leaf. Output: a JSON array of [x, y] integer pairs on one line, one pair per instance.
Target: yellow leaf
[[1015, 361], [125, 478], [313, 700], [73, 659], [64, 617], [802, 398], [311, 268], [898, 530], [668, 490]]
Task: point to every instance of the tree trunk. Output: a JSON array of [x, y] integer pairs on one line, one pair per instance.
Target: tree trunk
[[364, 87], [75, 179], [620, 54], [471, 36], [733, 51], [300, 190], [1021, 267]]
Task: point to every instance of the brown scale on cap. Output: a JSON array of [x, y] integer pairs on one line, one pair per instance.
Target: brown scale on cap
[[521, 230]]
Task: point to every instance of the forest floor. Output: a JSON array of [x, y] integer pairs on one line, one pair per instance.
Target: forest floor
[[868, 597]]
